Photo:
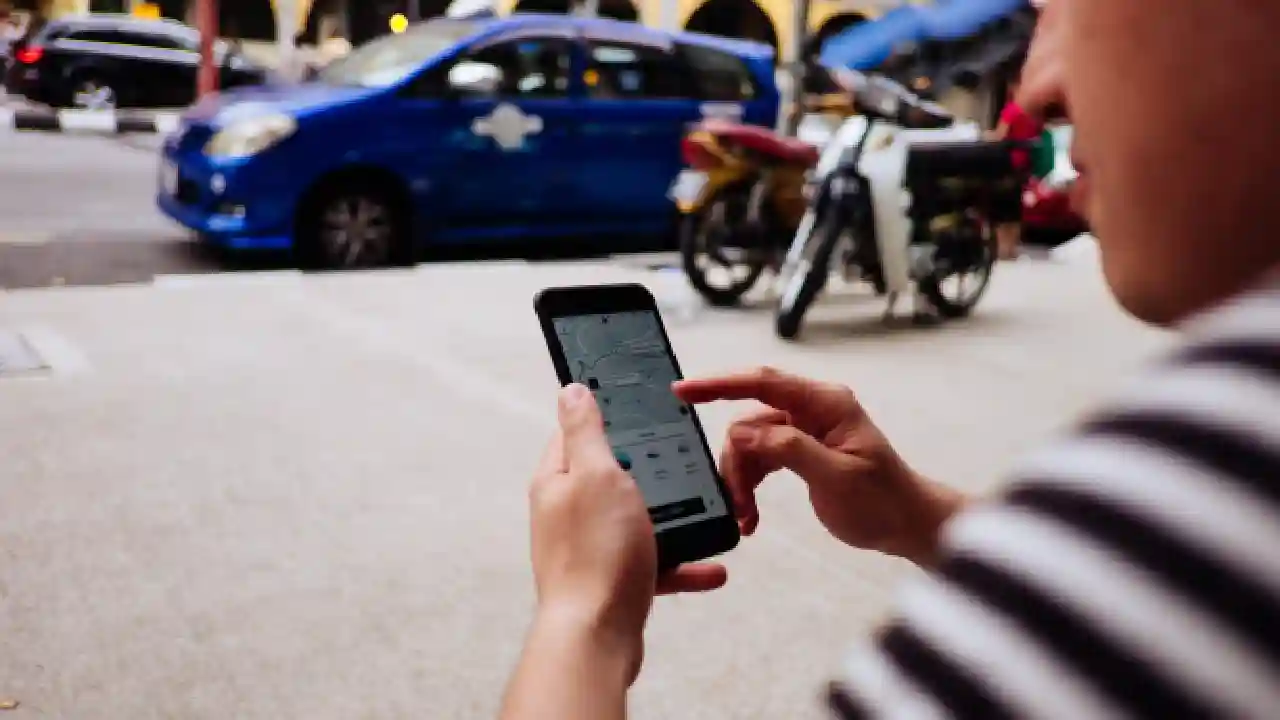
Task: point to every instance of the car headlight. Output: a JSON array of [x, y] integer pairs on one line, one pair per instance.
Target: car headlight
[[250, 137]]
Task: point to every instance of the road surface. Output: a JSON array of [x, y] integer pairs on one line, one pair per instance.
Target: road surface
[[285, 496]]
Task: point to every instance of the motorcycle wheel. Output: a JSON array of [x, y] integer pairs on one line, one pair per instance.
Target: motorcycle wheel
[[795, 299], [724, 216], [963, 303]]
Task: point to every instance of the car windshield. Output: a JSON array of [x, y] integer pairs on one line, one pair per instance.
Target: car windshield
[[391, 58]]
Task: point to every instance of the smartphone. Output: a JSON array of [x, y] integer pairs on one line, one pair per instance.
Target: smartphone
[[611, 339]]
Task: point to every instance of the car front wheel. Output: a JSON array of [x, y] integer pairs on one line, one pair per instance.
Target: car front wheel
[[347, 227]]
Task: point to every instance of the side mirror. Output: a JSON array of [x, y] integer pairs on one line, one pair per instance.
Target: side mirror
[[475, 78]]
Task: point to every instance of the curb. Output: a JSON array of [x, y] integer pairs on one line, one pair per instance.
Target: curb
[[87, 121]]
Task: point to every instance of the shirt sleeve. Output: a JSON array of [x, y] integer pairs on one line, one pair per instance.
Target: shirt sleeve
[[1128, 572]]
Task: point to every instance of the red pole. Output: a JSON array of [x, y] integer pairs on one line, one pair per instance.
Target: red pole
[[207, 23]]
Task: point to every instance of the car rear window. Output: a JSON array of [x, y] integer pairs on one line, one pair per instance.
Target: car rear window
[[49, 33], [719, 76]]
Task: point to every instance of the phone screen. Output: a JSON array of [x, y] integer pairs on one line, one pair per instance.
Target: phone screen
[[625, 360]]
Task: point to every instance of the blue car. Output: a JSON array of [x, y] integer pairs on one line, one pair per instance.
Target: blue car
[[459, 131]]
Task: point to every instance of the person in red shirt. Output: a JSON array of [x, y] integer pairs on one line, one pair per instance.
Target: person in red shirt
[[1015, 124]]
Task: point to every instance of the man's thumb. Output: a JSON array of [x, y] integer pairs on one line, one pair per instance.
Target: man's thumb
[[789, 447], [583, 428]]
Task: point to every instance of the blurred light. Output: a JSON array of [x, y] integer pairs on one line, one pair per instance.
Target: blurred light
[[399, 23], [146, 11]]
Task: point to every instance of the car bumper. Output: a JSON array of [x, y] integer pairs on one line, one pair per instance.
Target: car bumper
[[25, 81], [220, 205]]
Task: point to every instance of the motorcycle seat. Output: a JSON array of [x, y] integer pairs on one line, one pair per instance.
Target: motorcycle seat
[[764, 141], [977, 160]]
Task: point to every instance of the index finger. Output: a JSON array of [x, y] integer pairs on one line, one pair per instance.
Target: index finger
[[774, 388]]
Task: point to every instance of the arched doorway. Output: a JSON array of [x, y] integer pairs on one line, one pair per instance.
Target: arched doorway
[[733, 18], [616, 9], [619, 10], [368, 19], [551, 7], [247, 20], [831, 27], [173, 9]]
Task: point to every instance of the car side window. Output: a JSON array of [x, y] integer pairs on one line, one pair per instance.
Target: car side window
[[718, 75], [147, 40], [618, 70], [96, 35], [160, 40], [532, 67]]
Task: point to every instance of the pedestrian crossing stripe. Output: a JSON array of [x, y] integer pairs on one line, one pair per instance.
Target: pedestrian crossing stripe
[[88, 121]]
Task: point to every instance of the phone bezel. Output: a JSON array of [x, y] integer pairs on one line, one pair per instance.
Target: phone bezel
[[685, 543]]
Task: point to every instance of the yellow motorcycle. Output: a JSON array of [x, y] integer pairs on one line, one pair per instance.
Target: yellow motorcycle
[[741, 198]]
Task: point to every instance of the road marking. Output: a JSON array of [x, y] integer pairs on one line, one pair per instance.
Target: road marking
[[86, 121], [167, 123]]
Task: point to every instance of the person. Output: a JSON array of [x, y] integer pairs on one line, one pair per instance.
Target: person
[[7, 40], [1130, 568], [1019, 125]]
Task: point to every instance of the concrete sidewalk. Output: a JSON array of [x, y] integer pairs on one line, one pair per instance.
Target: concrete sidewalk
[[280, 496]]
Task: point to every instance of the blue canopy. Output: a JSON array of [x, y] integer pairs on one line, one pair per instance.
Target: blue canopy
[[957, 19], [867, 45]]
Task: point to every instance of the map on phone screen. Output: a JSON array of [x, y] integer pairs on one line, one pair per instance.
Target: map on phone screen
[[624, 359]]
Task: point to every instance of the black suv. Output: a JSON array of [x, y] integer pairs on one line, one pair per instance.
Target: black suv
[[103, 62]]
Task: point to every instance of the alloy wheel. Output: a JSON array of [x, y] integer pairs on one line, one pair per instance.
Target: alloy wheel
[[93, 95], [357, 231]]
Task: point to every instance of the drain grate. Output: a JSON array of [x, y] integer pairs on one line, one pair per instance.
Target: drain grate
[[17, 356]]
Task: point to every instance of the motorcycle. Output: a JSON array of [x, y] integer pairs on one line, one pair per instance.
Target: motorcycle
[[740, 201], [900, 199]]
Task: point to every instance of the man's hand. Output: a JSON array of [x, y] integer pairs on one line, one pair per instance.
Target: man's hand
[[594, 555], [861, 490], [595, 564]]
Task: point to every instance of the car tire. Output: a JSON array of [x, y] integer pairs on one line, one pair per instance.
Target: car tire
[[792, 306], [353, 224], [692, 248], [952, 309]]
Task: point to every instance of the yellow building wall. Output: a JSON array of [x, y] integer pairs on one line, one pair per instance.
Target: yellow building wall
[[780, 13]]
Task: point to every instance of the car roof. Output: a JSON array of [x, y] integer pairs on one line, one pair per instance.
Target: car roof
[[622, 28], [120, 21]]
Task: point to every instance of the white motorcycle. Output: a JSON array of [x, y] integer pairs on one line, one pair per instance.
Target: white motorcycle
[[900, 199]]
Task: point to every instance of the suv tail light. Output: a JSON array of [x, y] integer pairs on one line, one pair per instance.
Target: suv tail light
[[29, 55]]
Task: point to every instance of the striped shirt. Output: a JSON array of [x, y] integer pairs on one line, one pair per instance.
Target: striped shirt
[[1132, 570]]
